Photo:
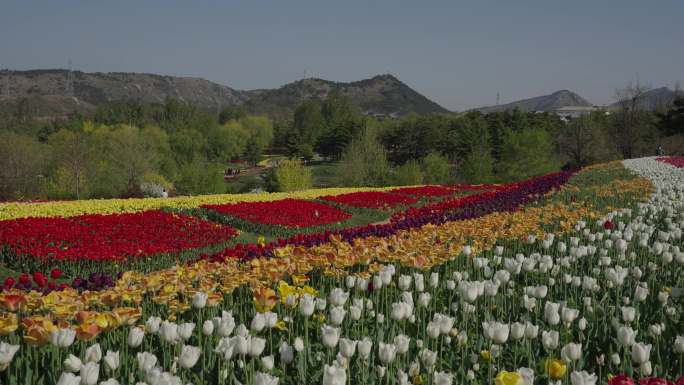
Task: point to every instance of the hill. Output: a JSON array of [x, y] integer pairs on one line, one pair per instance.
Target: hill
[[547, 103], [655, 99], [381, 95], [47, 93]]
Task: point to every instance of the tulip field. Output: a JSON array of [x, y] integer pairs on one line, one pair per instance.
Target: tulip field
[[567, 278]]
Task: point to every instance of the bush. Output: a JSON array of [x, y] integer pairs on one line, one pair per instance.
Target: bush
[[364, 163], [409, 173], [200, 177], [478, 167], [292, 176], [526, 153], [436, 169]]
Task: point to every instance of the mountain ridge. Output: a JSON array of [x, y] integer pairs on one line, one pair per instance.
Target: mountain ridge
[[47, 88], [547, 103]]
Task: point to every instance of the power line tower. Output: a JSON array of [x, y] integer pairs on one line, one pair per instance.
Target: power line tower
[[7, 83], [498, 98], [69, 88]]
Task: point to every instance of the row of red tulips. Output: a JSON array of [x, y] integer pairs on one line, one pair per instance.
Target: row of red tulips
[[109, 237], [371, 199], [677, 161], [292, 213]]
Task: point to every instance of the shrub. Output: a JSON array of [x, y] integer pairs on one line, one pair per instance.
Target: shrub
[[292, 176]]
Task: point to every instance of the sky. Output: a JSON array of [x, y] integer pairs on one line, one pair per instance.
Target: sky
[[457, 53]]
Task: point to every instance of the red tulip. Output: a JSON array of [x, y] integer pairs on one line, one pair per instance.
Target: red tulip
[[39, 279], [608, 225], [56, 273], [680, 381], [24, 279], [654, 381], [9, 282], [621, 380]]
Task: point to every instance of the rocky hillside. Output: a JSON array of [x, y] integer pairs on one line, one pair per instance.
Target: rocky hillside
[[655, 99], [48, 94], [381, 95], [552, 102]]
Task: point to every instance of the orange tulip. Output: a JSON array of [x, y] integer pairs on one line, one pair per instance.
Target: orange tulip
[[264, 299]]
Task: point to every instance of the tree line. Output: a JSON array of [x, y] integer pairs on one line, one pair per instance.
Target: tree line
[[127, 149]]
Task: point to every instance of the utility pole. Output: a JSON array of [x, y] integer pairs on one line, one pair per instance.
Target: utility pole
[[498, 98], [69, 89], [7, 83]]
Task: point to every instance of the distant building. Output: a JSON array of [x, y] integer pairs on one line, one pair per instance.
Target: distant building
[[572, 112]]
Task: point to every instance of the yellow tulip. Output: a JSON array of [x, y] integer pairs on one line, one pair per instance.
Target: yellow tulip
[[486, 355], [8, 323], [556, 368], [508, 378]]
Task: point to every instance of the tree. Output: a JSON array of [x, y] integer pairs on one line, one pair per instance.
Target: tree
[[343, 122], [133, 155], [364, 163], [527, 153], [632, 126], [231, 113], [409, 173], [436, 169], [478, 167], [307, 127], [22, 161], [290, 175], [672, 122], [583, 139], [73, 156]]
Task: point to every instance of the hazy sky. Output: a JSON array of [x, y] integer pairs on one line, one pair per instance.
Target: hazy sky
[[458, 53]]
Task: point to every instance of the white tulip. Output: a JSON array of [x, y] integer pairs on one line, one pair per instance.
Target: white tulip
[[582, 378], [550, 340], [442, 378], [679, 344], [364, 347], [298, 344], [551, 315], [146, 361], [199, 300], [334, 375], [267, 362], [184, 331], [527, 375], [350, 281], [402, 343], [531, 331], [110, 381], [306, 305], [646, 368], [337, 314], [226, 347], [338, 297], [355, 312], [93, 353], [428, 358], [225, 324], [72, 364], [628, 314], [189, 356], [387, 353], [330, 335], [571, 352], [626, 336], [208, 327], [347, 347], [321, 304], [256, 346], [265, 379], [62, 338], [569, 315], [69, 379], [111, 360], [169, 332], [135, 337], [90, 372], [641, 353], [517, 330], [286, 352], [152, 324]]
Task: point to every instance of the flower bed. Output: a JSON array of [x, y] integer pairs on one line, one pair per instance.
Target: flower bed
[[292, 213], [521, 287], [371, 199], [109, 237], [677, 161], [425, 191]]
